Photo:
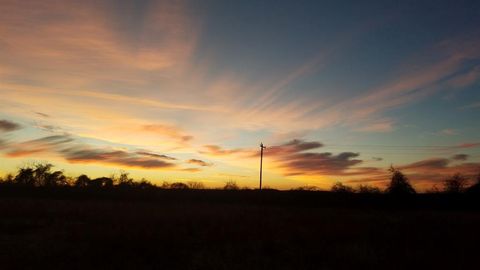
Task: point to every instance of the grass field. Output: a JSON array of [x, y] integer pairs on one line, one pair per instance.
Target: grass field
[[171, 229]]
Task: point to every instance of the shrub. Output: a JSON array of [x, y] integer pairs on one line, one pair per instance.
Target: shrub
[[178, 185], [196, 185], [341, 188], [368, 189], [231, 185], [306, 188]]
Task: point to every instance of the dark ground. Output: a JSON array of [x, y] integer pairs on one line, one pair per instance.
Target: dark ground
[[60, 229]]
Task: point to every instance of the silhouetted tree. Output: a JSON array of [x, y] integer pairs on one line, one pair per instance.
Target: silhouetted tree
[[7, 180], [82, 181], [145, 184], [41, 174], [25, 177], [165, 185], [102, 182], [124, 180], [231, 185], [196, 185], [55, 179], [341, 188], [368, 189], [399, 185], [178, 185], [455, 184]]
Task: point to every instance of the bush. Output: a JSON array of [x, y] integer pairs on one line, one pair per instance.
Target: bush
[[196, 185], [178, 185], [368, 189], [306, 188], [231, 185], [341, 188]]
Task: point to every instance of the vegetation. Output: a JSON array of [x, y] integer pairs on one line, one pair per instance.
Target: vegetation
[[399, 184], [231, 185], [455, 184], [53, 221], [43, 175], [341, 188]]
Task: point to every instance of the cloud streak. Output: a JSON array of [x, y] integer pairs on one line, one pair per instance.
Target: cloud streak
[[8, 126], [114, 157], [199, 162], [66, 147], [169, 131]]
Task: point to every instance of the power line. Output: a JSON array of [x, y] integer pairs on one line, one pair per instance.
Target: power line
[[398, 146]]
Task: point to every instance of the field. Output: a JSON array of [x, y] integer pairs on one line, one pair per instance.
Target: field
[[210, 229]]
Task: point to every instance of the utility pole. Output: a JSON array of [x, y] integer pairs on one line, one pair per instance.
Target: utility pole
[[261, 163]]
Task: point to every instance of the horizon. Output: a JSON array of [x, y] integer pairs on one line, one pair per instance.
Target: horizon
[[184, 91]]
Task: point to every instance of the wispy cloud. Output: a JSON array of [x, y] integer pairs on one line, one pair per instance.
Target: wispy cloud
[[382, 125], [460, 157], [433, 171], [50, 144], [465, 79], [167, 130], [298, 157], [295, 158], [42, 114], [472, 106], [115, 157], [191, 170], [199, 162], [467, 145], [216, 150], [8, 126], [73, 151], [148, 154], [448, 132]]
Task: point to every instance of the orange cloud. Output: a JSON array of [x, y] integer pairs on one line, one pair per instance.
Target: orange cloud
[[115, 157], [434, 171], [73, 151], [191, 170], [170, 131], [42, 145], [216, 150], [199, 162]]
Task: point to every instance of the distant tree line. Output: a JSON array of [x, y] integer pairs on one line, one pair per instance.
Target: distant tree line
[[43, 175], [400, 185]]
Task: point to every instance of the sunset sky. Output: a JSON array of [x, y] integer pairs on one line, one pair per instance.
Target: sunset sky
[[187, 90]]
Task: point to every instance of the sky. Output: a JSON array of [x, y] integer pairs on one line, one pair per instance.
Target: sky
[[186, 90]]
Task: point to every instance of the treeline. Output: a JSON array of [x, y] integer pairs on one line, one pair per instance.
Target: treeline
[[400, 185], [43, 175]]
